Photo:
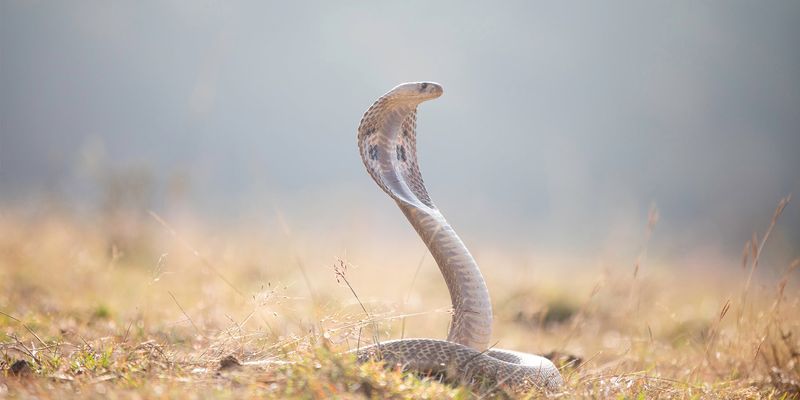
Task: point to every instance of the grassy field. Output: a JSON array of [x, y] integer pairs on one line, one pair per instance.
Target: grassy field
[[133, 307]]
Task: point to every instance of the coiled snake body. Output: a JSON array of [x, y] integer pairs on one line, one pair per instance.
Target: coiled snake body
[[387, 142]]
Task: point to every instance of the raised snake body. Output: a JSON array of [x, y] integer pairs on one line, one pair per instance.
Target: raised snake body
[[387, 142]]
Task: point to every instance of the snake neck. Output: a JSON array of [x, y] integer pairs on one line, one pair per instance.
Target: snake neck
[[387, 142], [471, 324]]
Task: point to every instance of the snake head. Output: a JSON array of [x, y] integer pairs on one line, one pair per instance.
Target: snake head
[[415, 92]]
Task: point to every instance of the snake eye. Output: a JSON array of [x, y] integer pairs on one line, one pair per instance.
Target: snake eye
[[423, 85]]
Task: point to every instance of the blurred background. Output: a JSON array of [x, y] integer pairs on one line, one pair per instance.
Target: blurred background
[[563, 132]]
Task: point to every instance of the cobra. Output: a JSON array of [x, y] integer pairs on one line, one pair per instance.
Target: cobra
[[387, 143]]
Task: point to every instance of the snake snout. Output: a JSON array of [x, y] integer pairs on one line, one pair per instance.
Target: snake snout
[[416, 92], [431, 90]]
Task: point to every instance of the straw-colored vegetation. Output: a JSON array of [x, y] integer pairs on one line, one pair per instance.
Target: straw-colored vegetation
[[134, 307]]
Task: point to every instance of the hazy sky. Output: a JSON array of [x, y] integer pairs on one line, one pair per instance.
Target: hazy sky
[[559, 124]]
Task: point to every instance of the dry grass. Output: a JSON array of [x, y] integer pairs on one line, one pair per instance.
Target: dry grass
[[134, 310]]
